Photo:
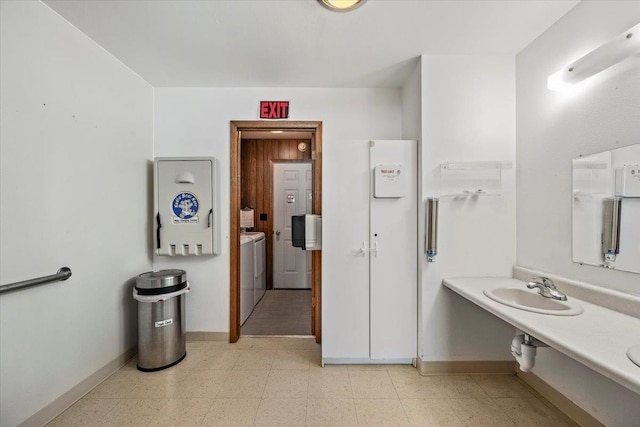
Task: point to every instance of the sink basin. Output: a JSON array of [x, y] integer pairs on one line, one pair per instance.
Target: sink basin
[[634, 354], [531, 301]]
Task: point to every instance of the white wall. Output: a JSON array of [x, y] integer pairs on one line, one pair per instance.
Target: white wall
[[75, 145], [468, 114], [553, 128], [412, 129], [411, 104], [195, 122]]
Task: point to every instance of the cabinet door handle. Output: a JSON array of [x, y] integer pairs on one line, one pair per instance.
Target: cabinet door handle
[[373, 250]]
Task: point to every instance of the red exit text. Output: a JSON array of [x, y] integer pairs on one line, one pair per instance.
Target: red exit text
[[274, 109]]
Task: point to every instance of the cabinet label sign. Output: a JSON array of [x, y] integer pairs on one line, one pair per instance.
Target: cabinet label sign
[[274, 109]]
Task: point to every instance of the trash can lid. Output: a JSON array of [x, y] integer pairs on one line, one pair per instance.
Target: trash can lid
[[160, 279]]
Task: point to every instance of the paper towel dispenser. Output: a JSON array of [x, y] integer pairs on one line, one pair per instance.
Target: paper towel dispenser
[[306, 232]]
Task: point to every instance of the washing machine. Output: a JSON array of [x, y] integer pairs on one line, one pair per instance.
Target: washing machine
[[246, 277], [259, 264]]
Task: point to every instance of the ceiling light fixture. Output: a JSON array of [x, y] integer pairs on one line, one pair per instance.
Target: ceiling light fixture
[[623, 46], [341, 5], [276, 131]]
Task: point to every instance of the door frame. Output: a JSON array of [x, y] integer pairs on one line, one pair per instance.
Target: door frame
[[237, 127]]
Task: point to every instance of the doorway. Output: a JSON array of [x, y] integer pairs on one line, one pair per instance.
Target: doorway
[[289, 130]]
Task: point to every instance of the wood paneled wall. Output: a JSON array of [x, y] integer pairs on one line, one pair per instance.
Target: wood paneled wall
[[256, 179]]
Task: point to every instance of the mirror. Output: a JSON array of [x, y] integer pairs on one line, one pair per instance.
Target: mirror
[[606, 209]]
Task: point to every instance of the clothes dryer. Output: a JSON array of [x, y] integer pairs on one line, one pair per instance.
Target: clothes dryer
[[259, 264]]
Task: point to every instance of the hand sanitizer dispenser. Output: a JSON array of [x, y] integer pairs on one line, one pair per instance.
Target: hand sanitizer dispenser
[[186, 211]]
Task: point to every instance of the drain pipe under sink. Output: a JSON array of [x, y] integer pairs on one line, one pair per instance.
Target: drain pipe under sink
[[523, 348]]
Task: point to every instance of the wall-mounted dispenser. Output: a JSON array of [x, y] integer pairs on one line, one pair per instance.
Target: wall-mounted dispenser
[[611, 228], [388, 181], [306, 232], [185, 205], [431, 226], [247, 218], [628, 181]]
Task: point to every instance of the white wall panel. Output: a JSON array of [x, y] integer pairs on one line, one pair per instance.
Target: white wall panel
[[553, 128], [76, 191], [468, 114]]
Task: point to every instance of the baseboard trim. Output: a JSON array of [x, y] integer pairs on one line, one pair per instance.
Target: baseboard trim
[[67, 399], [365, 361], [560, 401], [207, 336], [465, 367]]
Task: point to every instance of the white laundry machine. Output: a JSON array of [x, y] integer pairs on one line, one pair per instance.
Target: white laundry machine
[[259, 264], [246, 277]]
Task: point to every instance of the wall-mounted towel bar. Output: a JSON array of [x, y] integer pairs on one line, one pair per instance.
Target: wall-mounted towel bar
[[63, 274]]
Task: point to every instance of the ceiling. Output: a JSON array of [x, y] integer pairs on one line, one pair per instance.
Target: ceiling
[[287, 43]]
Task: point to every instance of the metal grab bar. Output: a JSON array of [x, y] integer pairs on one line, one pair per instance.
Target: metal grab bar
[[63, 274]]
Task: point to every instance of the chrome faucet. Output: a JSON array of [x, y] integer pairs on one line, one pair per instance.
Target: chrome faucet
[[546, 288]]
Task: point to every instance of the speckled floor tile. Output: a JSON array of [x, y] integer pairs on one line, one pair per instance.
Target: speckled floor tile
[[244, 384], [430, 412], [502, 386], [286, 384], [182, 412], [279, 382], [281, 412], [380, 412], [330, 383], [231, 413], [372, 384], [530, 412], [84, 413], [133, 412], [331, 413], [480, 413]]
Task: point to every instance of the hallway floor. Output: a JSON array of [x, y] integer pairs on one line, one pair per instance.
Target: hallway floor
[[278, 382], [281, 312]]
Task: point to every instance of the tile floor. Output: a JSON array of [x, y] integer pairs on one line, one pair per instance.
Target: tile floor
[[281, 312], [278, 382]]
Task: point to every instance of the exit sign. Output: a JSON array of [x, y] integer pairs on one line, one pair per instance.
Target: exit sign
[[274, 109]]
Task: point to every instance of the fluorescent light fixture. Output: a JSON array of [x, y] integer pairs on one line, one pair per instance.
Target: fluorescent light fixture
[[623, 46], [341, 5], [276, 131]]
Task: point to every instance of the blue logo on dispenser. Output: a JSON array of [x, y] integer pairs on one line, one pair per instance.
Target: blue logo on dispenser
[[185, 207]]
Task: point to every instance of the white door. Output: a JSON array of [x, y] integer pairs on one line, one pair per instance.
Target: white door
[[394, 267], [345, 269], [369, 255], [292, 195]]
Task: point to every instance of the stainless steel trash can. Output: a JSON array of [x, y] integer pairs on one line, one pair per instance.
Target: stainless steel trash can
[[161, 336]]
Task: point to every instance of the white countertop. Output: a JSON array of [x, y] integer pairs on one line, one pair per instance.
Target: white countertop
[[598, 338]]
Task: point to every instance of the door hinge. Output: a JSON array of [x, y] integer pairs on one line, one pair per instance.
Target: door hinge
[[313, 155], [313, 302]]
